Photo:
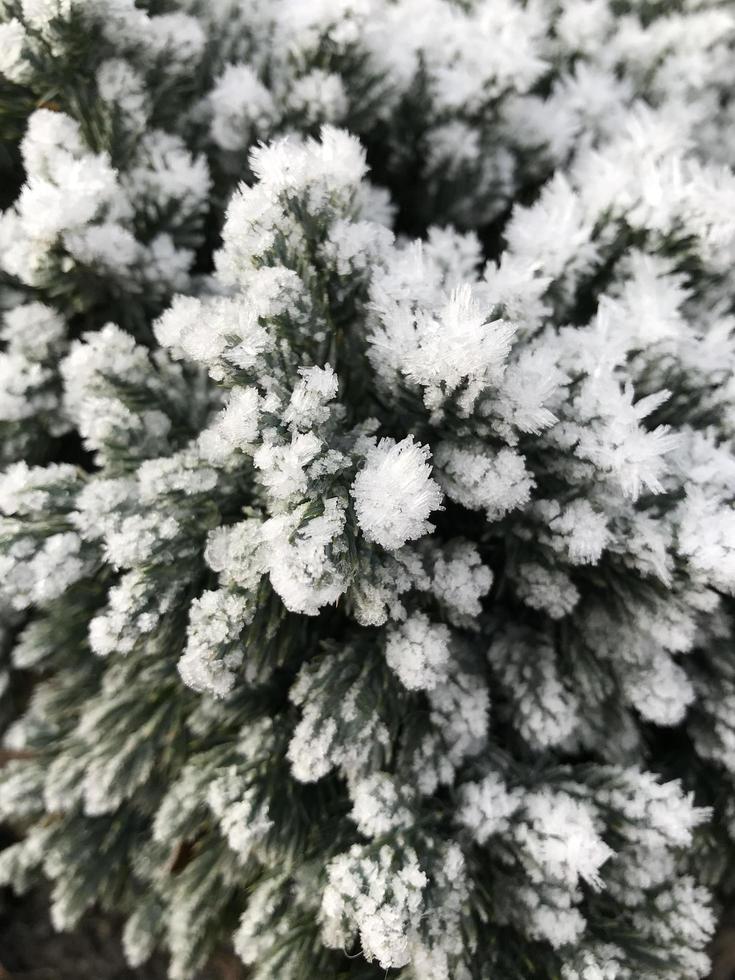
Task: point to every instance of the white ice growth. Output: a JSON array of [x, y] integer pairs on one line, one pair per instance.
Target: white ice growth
[[242, 815], [34, 336], [98, 410], [379, 805], [241, 107], [37, 574], [68, 188], [460, 579], [657, 814], [40, 558], [133, 612], [459, 714], [487, 807], [282, 468], [546, 712], [340, 725], [617, 444], [235, 429], [394, 493], [324, 175], [706, 537], [302, 555], [547, 588], [12, 40], [234, 552], [419, 652], [138, 538], [76, 209], [33, 330], [120, 84], [166, 175], [577, 531], [559, 836], [603, 962], [212, 654], [660, 689], [376, 895], [309, 404], [493, 483], [452, 347]]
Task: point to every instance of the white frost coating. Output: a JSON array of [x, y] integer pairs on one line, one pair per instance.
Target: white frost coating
[[441, 349], [311, 397], [460, 579], [550, 589], [12, 39], [482, 482], [212, 654], [377, 897], [325, 174], [580, 532], [661, 690], [235, 429], [283, 468], [707, 538], [558, 833], [40, 12], [394, 493], [234, 552], [302, 557], [240, 106], [418, 651], [379, 805], [487, 807], [138, 538], [118, 82], [242, 816]]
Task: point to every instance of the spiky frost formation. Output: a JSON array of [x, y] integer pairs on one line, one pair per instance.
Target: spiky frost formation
[[377, 587], [394, 493]]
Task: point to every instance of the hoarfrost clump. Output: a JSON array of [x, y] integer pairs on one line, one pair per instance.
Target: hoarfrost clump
[[418, 651], [378, 897], [379, 805], [487, 807], [366, 498], [394, 493], [558, 834]]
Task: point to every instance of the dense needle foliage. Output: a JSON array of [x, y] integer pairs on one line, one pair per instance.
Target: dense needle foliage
[[367, 543]]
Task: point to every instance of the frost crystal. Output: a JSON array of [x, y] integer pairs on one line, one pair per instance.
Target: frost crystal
[[418, 651], [394, 493]]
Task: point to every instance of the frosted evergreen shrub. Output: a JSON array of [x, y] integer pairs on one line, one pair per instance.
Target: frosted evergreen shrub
[[367, 542]]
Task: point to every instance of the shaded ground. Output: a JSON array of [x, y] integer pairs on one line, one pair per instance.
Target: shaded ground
[[723, 952], [30, 949]]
